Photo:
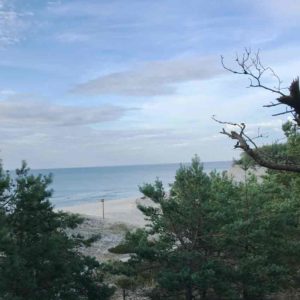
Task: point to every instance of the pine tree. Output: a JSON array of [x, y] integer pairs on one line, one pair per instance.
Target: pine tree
[[39, 258], [179, 248], [212, 237]]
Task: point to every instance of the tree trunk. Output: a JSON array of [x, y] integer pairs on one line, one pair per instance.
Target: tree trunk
[[189, 293]]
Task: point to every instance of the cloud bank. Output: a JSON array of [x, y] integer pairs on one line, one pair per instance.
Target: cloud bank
[[152, 79], [19, 112]]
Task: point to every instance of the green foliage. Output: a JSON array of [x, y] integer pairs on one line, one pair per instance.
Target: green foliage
[[292, 133], [39, 260], [212, 237], [288, 151], [180, 237]]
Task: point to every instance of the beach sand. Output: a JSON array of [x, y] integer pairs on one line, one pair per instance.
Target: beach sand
[[239, 174], [120, 216], [115, 211]]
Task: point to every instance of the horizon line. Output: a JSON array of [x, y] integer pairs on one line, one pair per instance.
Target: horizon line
[[128, 165]]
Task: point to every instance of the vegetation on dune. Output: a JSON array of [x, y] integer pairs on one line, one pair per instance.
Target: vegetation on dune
[[213, 238]]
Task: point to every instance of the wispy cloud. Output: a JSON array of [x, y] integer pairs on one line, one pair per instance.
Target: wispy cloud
[[72, 37], [282, 9], [7, 92], [19, 112], [79, 8], [12, 23], [152, 79]]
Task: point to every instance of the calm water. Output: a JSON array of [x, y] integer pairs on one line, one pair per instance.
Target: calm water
[[82, 185]]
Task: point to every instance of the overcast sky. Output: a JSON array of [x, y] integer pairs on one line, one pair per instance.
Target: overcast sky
[[114, 82]]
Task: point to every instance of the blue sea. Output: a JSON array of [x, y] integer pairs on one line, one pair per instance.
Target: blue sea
[[73, 186]]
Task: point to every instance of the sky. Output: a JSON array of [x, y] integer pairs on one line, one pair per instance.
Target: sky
[[122, 82]]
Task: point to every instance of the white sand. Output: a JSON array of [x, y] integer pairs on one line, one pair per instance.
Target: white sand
[[115, 211], [239, 174]]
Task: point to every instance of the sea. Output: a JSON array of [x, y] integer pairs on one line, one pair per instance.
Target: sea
[[73, 186]]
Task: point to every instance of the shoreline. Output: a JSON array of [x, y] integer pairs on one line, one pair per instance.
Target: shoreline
[[125, 210]]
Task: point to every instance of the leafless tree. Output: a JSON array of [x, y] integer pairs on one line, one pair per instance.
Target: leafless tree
[[250, 65]]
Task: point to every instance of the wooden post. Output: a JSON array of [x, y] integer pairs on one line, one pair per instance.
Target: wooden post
[[102, 200]]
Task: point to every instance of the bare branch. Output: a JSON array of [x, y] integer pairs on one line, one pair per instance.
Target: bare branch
[[273, 104], [283, 113], [250, 64], [244, 142]]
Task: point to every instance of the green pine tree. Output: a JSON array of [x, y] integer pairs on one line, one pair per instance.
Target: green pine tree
[[212, 237], [39, 258]]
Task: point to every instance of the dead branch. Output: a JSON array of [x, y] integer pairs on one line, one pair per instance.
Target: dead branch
[[250, 65], [244, 142]]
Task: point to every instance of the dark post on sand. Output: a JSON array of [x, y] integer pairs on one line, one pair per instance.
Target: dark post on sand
[[102, 200]]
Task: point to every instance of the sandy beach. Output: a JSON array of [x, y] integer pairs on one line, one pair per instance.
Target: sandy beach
[[120, 216], [115, 211], [239, 174]]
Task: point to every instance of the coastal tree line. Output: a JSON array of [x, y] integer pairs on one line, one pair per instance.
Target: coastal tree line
[[209, 237]]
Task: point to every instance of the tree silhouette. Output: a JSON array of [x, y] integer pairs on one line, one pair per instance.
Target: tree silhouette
[[250, 65]]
